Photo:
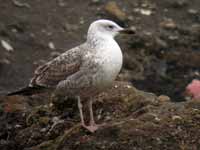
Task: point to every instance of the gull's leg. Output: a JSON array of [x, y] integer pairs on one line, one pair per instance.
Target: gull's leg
[[80, 106], [92, 127], [92, 122]]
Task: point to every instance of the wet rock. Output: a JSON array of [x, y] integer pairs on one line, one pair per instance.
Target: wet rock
[[113, 9]]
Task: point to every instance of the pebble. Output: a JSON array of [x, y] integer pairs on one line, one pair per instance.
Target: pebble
[[176, 117], [115, 86], [173, 37], [7, 46], [128, 86], [195, 28], [51, 45], [142, 11], [71, 27], [82, 20], [54, 54], [113, 9], [145, 12], [163, 98], [168, 24], [5, 61], [61, 3], [161, 43], [193, 11]]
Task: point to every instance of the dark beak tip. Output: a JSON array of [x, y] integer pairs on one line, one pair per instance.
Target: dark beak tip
[[128, 31]]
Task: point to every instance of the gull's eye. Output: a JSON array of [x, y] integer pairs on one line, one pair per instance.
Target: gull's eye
[[110, 26]]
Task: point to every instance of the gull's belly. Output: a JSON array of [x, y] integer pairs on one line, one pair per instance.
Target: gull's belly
[[110, 66]]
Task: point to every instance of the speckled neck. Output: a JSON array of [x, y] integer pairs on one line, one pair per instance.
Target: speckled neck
[[97, 40]]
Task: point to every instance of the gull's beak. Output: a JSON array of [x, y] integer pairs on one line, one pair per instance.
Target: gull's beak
[[127, 31]]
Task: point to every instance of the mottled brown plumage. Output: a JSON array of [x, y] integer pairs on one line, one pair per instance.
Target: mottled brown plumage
[[51, 73]]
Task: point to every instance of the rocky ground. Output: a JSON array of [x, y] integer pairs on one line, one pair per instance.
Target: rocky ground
[[134, 120], [162, 58]]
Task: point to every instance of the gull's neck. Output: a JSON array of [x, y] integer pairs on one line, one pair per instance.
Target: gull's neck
[[99, 40]]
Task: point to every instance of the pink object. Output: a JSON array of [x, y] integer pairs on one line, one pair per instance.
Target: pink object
[[194, 89]]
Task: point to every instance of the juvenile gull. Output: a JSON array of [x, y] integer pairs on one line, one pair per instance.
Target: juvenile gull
[[83, 71]]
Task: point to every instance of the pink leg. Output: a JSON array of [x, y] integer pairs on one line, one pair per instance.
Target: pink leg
[[80, 106], [92, 127], [92, 122]]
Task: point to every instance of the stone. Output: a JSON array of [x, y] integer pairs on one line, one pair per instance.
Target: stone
[[168, 24], [113, 9]]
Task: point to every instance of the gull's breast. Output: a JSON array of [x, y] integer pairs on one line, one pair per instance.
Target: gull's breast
[[110, 61]]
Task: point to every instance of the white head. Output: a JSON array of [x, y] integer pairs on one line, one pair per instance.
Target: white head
[[105, 28]]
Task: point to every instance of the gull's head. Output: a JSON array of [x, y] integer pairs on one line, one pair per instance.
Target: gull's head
[[105, 28]]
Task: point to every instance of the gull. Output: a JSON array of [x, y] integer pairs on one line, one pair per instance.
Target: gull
[[83, 71]]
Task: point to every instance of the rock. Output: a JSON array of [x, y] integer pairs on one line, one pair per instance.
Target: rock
[[44, 120], [178, 3], [173, 37], [4, 62], [192, 11], [54, 54], [142, 11], [70, 27], [168, 24], [113, 9], [195, 29], [7, 46], [51, 45], [161, 43], [61, 3], [163, 98], [176, 117]]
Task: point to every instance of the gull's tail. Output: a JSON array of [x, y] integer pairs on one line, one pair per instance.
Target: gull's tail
[[27, 91]]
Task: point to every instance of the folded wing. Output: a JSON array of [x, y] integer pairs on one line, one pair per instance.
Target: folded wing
[[51, 73]]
